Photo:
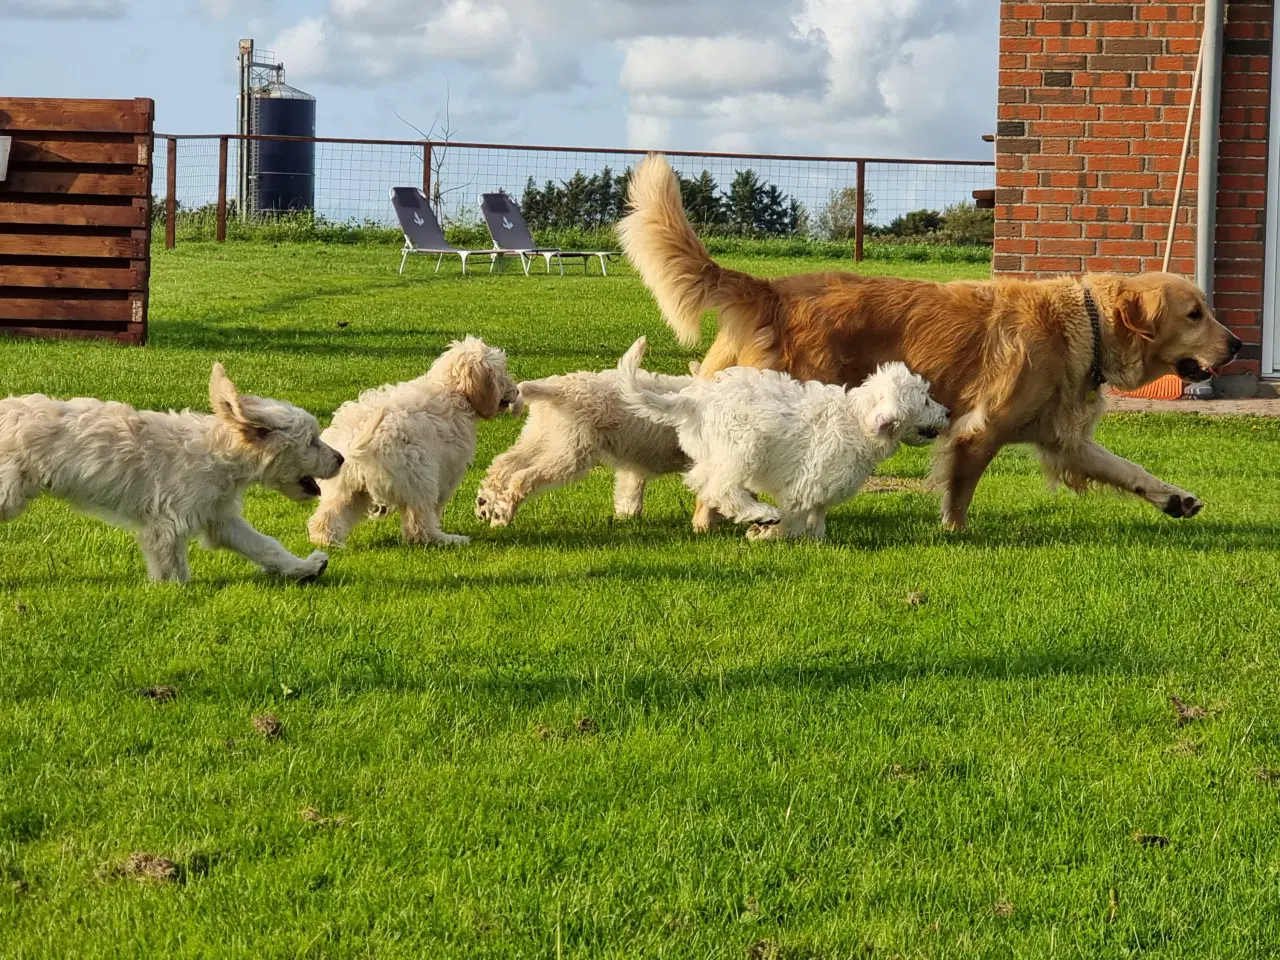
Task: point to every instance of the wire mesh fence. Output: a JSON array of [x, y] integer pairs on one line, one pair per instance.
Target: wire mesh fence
[[350, 180]]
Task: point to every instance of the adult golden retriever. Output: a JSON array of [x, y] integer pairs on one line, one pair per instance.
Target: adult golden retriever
[[1016, 361]]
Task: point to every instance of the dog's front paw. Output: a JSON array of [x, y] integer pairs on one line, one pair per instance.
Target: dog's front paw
[[498, 511], [311, 568], [1182, 506], [764, 531]]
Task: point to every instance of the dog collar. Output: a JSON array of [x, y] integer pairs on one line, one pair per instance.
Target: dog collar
[[1096, 378]]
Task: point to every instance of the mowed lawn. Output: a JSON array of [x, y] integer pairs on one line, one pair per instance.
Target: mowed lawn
[[584, 738]]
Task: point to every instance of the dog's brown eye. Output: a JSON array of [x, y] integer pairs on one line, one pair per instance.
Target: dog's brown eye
[[1196, 313]]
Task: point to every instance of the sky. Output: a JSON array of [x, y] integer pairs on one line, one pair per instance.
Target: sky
[[890, 78]]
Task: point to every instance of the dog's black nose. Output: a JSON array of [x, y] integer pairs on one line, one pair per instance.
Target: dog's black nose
[[341, 459], [1234, 345]]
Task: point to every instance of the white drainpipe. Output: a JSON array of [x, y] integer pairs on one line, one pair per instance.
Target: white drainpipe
[[1207, 179]]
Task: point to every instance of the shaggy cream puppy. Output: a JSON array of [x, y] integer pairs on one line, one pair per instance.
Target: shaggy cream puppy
[[810, 446], [408, 444], [167, 477], [577, 421]]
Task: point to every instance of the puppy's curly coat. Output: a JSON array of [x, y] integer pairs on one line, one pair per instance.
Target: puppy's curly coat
[[167, 477], [407, 445], [808, 445]]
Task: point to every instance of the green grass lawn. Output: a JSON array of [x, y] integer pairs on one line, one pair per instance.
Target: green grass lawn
[[583, 738]]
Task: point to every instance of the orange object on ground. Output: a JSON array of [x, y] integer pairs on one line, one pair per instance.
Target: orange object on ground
[[1168, 387]]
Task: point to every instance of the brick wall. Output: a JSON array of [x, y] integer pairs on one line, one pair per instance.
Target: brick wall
[[1093, 99]]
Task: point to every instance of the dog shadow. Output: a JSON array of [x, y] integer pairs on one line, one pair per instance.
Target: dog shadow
[[660, 690]]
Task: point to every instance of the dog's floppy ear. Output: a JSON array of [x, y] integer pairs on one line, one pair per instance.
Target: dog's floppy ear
[[478, 384], [887, 422], [224, 398], [1139, 313], [247, 413]]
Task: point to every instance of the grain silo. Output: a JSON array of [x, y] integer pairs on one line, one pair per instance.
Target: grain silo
[[275, 175]]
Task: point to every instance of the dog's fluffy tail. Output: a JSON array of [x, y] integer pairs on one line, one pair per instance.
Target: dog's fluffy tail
[[669, 409], [675, 266], [544, 389], [370, 430]]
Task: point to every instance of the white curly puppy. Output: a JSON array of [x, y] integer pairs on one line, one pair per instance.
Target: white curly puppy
[[408, 445], [577, 421], [167, 477], [808, 445]]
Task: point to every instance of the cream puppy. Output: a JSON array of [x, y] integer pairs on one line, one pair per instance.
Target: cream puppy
[[407, 445], [167, 477], [808, 445]]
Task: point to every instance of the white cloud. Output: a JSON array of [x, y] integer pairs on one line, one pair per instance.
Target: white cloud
[[871, 77], [63, 9], [699, 67], [304, 48]]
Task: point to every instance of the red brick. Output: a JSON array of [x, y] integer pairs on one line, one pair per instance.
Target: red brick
[[1063, 112], [1056, 128], [1092, 148], [1112, 265], [1117, 130], [1053, 195], [1058, 230], [1127, 248], [1113, 164], [1053, 264], [1112, 231], [1071, 248], [1055, 163]]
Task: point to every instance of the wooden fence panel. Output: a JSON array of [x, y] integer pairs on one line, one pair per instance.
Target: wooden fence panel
[[75, 218]]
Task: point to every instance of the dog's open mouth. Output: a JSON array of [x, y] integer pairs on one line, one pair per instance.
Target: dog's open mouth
[[1189, 368], [309, 486]]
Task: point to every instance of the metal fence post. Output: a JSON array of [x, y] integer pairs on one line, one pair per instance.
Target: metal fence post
[[222, 189], [861, 211], [171, 195], [426, 171]]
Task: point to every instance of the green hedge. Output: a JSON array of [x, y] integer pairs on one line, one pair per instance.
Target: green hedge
[[303, 227]]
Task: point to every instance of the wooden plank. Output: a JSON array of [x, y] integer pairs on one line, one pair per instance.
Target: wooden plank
[[58, 115], [70, 182], [49, 310], [28, 212], [36, 149], [124, 335], [85, 278], [65, 245]]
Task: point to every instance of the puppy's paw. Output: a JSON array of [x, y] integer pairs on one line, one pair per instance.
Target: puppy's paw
[[761, 514], [1182, 506], [764, 531], [311, 568], [451, 539], [499, 511]]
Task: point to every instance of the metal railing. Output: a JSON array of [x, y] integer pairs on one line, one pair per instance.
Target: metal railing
[[352, 176]]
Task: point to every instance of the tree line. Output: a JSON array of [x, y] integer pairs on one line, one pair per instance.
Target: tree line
[[749, 207]]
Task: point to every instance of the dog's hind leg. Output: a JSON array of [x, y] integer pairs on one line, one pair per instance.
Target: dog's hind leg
[[336, 516], [166, 555], [236, 534], [628, 492], [553, 466], [705, 516], [421, 524], [15, 493]]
